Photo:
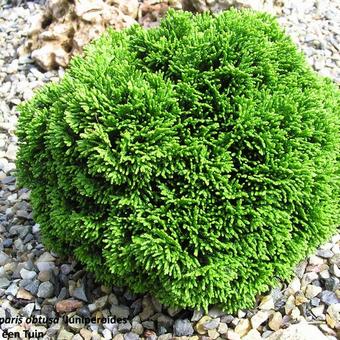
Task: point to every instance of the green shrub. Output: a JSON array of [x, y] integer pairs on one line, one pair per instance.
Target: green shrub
[[196, 161]]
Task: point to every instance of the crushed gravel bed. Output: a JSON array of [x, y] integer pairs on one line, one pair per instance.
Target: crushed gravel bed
[[54, 298]]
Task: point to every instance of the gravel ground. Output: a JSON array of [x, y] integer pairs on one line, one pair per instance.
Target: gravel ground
[[35, 282]]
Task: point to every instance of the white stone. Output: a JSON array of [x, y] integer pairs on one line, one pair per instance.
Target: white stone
[[27, 274], [301, 331], [318, 311], [312, 291], [267, 303], [259, 318], [252, 335], [315, 260], [324, 274], [295, 285]]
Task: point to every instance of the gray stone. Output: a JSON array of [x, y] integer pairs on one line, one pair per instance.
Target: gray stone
[[3, 272], [334, 269], [315, 302], [325, 253], [197, 315], [300, 269], [29, 237], [183, 328], [212, 324], [137, 328], [80, 294], [19, 245], [328, 297], [63, 294], [35, 228], [45, 257], [45, 266], [33, 287], [131, 336], [27, 274], [157, 305], [120, 311], [7, 243], [8, 180], [332, 283], [98, 304], [165, 321], [65, 269], [107, 334], [23, 214], [46, 290], [148, 324], [79, 337], [172, 311], [28, 309], [335, 259], [124, 327], [112, 299], [12, 289], [4, 282], [148, 308], [45, 276], [4, 258], [64, 335], [227, 318], [216, 312]]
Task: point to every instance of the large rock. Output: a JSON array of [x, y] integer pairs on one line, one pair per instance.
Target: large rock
[[68, 305], [301, 331], [63, 29], [271, 6], [66, 26]]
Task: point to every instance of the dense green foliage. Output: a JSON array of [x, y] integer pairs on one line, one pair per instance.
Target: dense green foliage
[[197, 161]]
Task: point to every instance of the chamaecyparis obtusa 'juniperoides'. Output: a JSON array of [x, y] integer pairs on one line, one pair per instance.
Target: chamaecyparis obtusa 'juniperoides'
[[197, 161]]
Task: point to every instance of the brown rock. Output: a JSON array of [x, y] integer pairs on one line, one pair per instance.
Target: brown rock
[[149, 333], [213, 334], [57, 8], [129, 7], [243, 327], [199, 327], [151, 11], [65, 27], [89, 10], [35, 22], [275, 321], [68, 305], [24, 294], [331, 322], [300, 299], [86, 334], [50, 55]]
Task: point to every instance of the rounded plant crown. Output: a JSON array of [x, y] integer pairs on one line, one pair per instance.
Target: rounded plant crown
[[196, 161]]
